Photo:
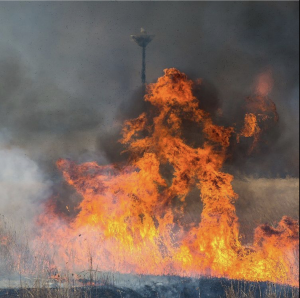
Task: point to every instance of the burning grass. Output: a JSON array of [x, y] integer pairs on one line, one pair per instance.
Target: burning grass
[[127, 221], [91, 283], [127, 217]]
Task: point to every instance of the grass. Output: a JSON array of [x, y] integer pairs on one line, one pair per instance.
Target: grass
[[254, 290], [41, 289], [68, 292], [34, 277]]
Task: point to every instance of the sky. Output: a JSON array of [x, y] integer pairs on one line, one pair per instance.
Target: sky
[[69, 75]]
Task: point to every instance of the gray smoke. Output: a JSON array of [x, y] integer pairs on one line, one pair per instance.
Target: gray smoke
[[69, 76]]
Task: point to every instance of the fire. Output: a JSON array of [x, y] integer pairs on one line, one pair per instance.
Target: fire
[[127, 221], [261, 110], [264, 83]]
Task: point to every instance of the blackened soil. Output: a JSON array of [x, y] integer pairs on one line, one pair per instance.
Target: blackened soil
[[177, 288]]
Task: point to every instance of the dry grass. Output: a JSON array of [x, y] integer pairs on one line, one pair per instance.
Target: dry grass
[[251, 290], [65, 292], [66, 287], [32, 275], [16, 257], [240, 292], [45, 292], [8, 246]]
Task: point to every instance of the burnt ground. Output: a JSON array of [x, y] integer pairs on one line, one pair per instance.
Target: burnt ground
[[175, 287]]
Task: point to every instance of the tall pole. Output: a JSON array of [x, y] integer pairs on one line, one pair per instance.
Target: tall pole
[[143, 40], [144, 65]]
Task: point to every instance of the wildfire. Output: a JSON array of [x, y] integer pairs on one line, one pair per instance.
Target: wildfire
[[126, 220]]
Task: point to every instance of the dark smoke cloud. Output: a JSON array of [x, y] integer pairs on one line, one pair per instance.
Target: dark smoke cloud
[[69, 74]]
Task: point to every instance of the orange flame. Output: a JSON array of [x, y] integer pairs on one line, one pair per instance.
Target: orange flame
[[261, 110], [126, 220], [264, 83]]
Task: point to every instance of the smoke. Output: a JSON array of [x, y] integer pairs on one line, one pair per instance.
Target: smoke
[[77, 77], [69, 77], [23, 186], [265, 201]]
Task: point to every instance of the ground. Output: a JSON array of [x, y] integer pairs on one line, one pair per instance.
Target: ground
[[160, 287]]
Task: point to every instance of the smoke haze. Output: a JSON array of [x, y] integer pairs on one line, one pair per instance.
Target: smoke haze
[[69, 76], [22, 185]]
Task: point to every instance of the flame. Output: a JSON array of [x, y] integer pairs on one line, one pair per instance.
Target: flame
[[261, 109], [127, 221], [264, 83]]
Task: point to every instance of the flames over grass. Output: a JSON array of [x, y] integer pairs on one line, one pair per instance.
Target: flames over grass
[[127, 221]]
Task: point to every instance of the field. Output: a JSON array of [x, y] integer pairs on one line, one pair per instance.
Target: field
[[25, 275], [127, 286]]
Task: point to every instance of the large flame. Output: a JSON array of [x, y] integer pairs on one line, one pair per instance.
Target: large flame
[[127, 219]]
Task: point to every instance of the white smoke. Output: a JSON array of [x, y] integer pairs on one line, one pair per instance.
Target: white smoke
[[23, 186]]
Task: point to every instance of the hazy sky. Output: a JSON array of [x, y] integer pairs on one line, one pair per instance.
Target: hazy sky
[[69, 71]]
